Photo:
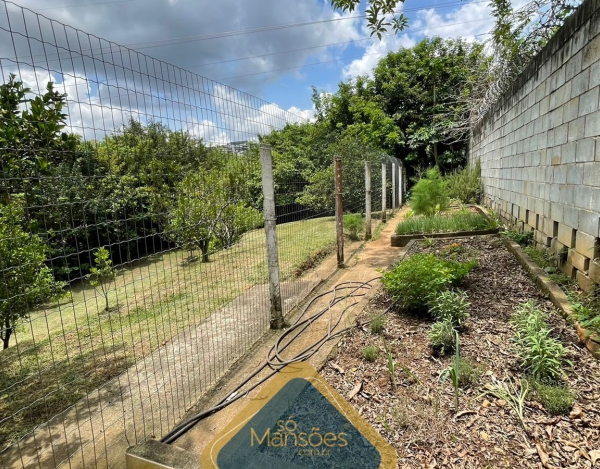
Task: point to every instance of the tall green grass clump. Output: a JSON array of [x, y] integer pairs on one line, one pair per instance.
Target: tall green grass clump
[[465, 184], [463, 220], [430, 194]]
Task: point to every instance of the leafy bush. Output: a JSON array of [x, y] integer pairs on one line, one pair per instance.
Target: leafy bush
[[443, 336], [451, 305], [463, 220], [587, 317], [465, 184], [377, 324], [541, 355], [430, 194], [370, 353], [421, 277], [354, 225], [556, 399], [523, 238]]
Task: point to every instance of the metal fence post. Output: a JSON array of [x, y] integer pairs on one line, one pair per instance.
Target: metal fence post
[[400, 185], [393, 186], [383, 194], [367, 200], [339, 212], [277, 321]]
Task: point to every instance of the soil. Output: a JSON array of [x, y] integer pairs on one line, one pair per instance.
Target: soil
[[419, 419]]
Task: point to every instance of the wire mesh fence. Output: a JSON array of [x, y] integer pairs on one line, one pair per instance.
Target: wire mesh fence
[[132, 264]]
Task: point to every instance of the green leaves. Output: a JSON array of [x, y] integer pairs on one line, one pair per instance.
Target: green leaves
[[25, 281], [430, 194], [380, 14], [102, 274], [541, 355]]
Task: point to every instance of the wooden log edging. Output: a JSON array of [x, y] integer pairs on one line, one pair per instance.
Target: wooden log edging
[[557, 296]]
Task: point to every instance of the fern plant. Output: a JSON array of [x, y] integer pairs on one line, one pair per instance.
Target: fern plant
[[430, 194]]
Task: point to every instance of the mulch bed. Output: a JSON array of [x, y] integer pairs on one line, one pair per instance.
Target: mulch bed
[[419, 418]]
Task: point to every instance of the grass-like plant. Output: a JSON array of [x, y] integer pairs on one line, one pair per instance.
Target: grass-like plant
[[354, 225], [392, 369], [513, 394], [377, 322], [453, 372], [541, 355], [556, 399], [463, 220], [370, 353], [442, 335], [452, 305], [430, 194], [416, 280], [587, 315], [469, 373]]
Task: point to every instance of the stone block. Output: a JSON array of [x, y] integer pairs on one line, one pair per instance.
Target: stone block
[[581, 83], [586, 150], [592, 125], [590, 54], [579, 261], [591, 172], [588, 102], [576, 129], [594, 272], [587, 245], [589, 222], [586, 284], [542, 239], [556, 245], [568, 269], [571, 216], [566, 235], [575, 174]]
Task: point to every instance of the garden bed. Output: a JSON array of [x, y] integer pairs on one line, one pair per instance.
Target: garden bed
[[418, 417], [438, 230]]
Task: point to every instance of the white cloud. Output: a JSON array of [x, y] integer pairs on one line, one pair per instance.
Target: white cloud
[[469, 21]]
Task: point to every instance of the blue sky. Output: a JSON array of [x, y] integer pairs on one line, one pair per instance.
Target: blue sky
[[273, 49]]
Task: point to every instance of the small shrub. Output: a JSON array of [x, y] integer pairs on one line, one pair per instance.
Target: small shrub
[[469, 373], [442, 336], [370, 353], [541, 355], [465, 184], [409, 214], [422, 276], [354, 225], [523, 238], [451, 305], [587, 317], [377, 322], [430, 194], [556, 399]]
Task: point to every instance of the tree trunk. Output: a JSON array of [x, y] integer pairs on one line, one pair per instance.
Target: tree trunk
[[204, 248], [106, 300], [7, 334]]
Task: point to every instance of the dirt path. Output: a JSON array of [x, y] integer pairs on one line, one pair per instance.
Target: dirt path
[[362, 267]]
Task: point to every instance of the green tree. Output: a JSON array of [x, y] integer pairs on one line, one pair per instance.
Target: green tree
[[25, 281], [381, 14], [235, 221], [204, 201], [102, 274]]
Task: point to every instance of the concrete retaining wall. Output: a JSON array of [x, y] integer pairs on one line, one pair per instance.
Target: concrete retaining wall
[[539, 147]]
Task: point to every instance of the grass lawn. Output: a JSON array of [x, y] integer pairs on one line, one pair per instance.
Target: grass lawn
[[68, 349]]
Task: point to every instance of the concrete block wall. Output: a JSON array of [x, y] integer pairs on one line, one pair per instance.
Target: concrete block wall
[[539, 147]]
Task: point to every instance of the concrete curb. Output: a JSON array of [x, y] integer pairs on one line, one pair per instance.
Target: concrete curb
[[557, 296]]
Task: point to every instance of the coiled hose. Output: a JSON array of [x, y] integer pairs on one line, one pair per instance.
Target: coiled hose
[[341, 292]]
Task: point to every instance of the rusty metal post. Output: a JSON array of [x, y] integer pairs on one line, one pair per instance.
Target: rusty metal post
[[339, 212], [368, 233], [383, 193], [277, 321]]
